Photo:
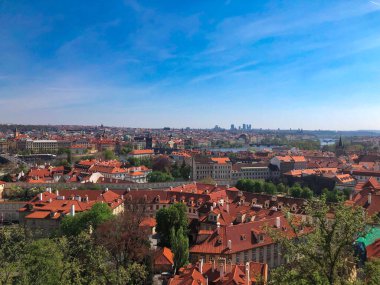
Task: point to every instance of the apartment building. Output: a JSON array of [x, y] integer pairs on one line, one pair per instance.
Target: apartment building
[[261, 171], [218, 168], [38, 146], [287, 163], [241, 243]]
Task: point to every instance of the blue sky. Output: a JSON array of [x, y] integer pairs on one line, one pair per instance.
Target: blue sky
[[274, 64]]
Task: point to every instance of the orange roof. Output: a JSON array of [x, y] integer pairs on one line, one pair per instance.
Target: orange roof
[[164, 256], [148, 222], [220, 160], [136, 173], [141, 151], [38, 215]]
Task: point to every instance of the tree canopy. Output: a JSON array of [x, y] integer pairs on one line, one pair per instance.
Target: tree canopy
[[74, 225], [171, 217], [158, 176], [324, 255], [180, 247]]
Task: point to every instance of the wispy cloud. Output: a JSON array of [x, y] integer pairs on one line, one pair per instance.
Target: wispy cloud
[[223, 73]]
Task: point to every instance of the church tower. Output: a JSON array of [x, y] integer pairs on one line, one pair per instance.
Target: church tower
[[16, 133], [339, 149]]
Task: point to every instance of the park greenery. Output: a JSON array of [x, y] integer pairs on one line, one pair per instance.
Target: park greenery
[[296, 190], [322, 251]]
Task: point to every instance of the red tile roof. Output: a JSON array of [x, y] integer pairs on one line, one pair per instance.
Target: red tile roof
[[141, 151], [373, 250]]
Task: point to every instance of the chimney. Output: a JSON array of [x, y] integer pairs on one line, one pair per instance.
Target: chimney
[[350, 197], [213, 265], [229, 244], [229, 268], [40, 196], [218, 228], [369, 198], [228, 207], [57, 192], [278, 222], [214, 204], [206, 280], [106, 189], [72, 210], [247, 276], [211, 208], [201, 266], [221, 270]]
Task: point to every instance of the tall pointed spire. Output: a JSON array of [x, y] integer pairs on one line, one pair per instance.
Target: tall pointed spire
[[340, 142]]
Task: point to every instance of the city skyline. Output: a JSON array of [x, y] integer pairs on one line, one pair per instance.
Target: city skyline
[[133, 63]]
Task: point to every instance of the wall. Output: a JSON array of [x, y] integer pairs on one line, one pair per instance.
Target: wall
[[110, 186]]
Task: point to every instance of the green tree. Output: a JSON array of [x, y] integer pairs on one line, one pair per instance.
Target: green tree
[[306, 193], [180, 247], [245, 185], [172, 217], [281, 188], [258, 186], [109, 154], [86, 262], [270, 188], [42, 263], [372, 272], [136, 274], [126, 149], [126, 244], [12, 247], [175, 170], [158, 176], [296, 191], [185, 171], [74, 225], [325, 255]]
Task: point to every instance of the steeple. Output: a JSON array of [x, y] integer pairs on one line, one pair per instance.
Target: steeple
[[339, 150], [340, 142]]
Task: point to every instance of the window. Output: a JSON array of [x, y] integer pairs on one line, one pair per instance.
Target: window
[[245, 256], [237, 258], [261, 254]]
